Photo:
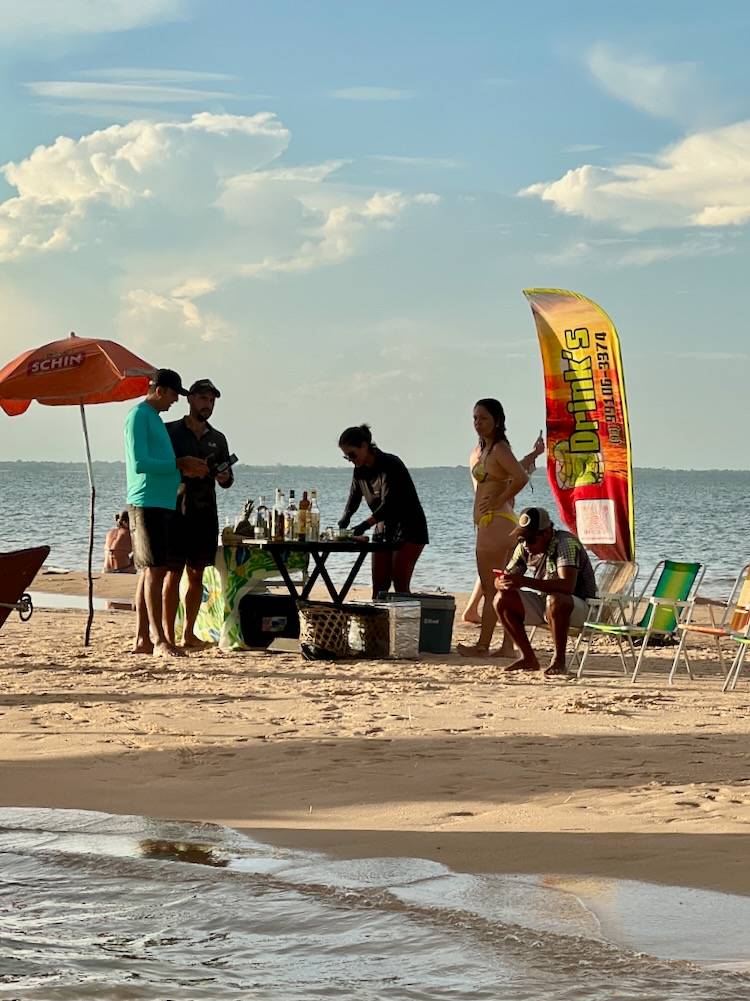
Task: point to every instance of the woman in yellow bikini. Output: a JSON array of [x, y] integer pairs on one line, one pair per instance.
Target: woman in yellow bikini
[[472, 614], [498, 476]]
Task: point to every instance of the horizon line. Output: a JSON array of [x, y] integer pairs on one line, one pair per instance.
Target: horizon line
[[300, 465]]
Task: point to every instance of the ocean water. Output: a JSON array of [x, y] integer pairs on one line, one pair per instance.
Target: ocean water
[[681, 515], [94, 906]]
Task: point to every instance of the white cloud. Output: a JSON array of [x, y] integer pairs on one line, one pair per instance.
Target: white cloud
[[149, 317], [371, 94], [625, 253], [175, 211], [153, 74], [35, 19], [444, 163], [60, 185], [703, 180], [336, 232], [664, 90], [77, 90], [582, 148]]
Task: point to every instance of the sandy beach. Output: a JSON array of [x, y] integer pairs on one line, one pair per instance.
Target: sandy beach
[[443, 758]]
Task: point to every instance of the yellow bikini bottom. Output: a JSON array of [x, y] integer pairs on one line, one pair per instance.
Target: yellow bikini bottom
[[487, 519]]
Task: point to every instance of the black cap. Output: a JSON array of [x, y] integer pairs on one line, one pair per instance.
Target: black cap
[[204, 386], [169, 380]]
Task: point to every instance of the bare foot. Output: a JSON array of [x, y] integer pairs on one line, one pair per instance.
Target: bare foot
[[524, 664], [507, 649], [471, 651], [167, 650], [471, 619], [556, 669], [141, 647], [193, 643]]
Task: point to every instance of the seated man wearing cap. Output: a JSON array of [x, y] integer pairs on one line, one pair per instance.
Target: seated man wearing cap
[[548, 579], [153, 476], [197, 521]]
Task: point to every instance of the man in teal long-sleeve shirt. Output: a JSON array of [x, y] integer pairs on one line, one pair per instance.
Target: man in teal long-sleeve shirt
[[153, 476]]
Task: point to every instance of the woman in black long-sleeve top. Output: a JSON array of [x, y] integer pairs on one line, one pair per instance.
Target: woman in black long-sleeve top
[[384, 483]]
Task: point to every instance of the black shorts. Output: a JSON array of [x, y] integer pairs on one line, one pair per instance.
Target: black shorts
[[195, 539], [152, 532]]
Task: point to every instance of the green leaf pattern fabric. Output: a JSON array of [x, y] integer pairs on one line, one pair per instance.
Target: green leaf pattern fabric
[[238, 570]]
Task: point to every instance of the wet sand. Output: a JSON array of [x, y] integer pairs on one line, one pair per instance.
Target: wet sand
[[442, 758]]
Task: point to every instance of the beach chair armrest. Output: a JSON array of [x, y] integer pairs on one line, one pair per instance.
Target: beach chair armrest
[[605, 599], [678, 606], [669, 602]]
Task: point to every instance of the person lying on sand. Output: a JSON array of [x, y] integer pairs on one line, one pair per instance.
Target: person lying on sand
[[554, 593]]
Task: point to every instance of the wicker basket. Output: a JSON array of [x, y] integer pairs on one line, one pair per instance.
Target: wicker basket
[[324, 630]]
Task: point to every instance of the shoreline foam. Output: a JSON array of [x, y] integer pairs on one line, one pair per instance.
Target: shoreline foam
[[441, 758]]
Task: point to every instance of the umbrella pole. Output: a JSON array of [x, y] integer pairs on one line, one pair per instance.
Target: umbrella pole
[[91, 527]]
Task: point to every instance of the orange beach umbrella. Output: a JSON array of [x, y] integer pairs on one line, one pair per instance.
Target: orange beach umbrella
[[75, 371]]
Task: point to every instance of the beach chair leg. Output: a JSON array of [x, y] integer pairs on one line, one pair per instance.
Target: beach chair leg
[[728, 679], [688, 665], [587, 642], [641, 655], [738, 667], [734, 671], [575, 656], [673, 671], [721, 652], [681, 652], [633, 655], [621, 655]]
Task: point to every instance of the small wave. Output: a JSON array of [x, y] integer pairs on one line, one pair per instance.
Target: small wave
[[97, 906]]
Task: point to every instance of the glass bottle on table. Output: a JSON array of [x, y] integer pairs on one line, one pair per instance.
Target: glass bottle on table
[[303, 518], [261, 519], [278, 516], [291, 520], [313, 518]]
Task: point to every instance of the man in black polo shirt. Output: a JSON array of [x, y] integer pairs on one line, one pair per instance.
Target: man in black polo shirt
[[197, 520]]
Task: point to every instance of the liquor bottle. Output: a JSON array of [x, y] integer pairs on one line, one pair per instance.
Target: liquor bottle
[[303, 517], [313, 518], [291, 519], [278, 516], [262, 527]]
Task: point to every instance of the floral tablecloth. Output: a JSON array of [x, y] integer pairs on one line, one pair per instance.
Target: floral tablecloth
[[237, 571]]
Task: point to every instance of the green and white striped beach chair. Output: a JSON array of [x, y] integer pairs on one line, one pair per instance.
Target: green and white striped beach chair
[[667, 604], [615, 583]]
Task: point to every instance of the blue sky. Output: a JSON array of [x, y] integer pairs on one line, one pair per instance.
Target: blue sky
[[331, 209]]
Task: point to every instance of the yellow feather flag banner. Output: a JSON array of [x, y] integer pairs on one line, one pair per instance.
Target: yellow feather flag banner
[[589, 463]]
